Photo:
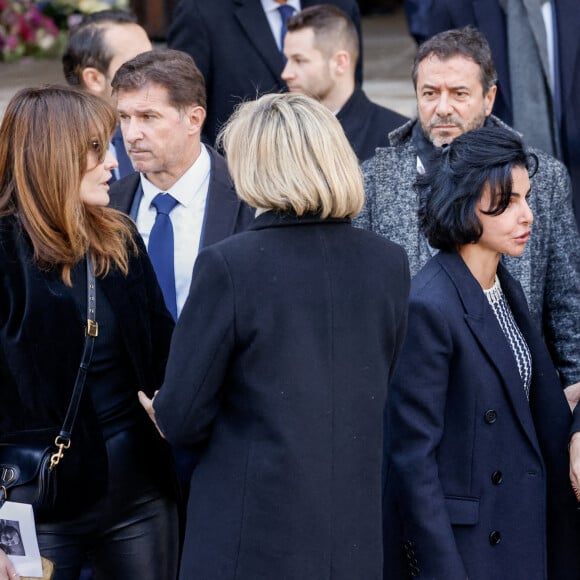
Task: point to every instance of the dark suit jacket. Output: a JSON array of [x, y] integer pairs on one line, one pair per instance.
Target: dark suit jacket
[[125, 165], [41, 342], [281, 360], [478, 473], [417, 14], [225, 214], [367, 125], [233, 46], [489, 18]]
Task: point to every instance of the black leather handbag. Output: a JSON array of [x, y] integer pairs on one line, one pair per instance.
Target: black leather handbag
[[28, 470]]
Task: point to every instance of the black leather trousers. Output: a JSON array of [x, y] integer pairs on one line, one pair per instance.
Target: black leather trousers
[[130, 534]]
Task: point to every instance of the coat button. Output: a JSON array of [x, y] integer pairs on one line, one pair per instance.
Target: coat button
[[496, 477], [494, 538], [490, 416]]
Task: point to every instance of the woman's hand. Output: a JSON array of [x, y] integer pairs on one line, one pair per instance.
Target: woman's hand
[[147, 404], [574, 449], [572, 393], [7, 569]]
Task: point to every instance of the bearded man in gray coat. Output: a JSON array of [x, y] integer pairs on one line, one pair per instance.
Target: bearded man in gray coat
[[455, 83]]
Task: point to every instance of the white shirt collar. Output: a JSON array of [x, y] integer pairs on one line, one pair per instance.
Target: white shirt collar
[[271, 5], [187, 187]]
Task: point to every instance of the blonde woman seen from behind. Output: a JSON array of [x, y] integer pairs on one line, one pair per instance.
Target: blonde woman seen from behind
[[281, 359]]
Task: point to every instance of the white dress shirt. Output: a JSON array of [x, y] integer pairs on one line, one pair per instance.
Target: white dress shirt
[[187, 219], [274, 19]]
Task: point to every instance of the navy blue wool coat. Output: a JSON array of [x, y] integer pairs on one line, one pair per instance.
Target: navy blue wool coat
[[281, 360], [477, 473]]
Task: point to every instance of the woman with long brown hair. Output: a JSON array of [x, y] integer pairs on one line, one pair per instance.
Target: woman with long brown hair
[[115, 504]]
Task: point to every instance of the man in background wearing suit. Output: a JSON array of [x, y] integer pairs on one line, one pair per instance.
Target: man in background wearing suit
[[321, 46], [237, 45], [96, 48]]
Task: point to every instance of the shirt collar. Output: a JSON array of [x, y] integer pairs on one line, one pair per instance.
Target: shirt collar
[[187, 187], [271, 5]]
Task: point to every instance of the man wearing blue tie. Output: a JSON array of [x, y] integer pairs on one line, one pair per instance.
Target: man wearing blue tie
[[182, 197]]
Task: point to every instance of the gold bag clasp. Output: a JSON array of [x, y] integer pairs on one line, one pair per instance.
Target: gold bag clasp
[[92, 328]]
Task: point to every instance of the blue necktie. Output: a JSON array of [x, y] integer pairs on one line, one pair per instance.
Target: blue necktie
[[161, 249], [285, 13]]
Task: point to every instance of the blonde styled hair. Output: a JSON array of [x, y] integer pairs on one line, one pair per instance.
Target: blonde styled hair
[[45, 139], [288, 152]]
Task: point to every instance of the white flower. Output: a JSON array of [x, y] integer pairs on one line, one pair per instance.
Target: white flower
[[44, 40]]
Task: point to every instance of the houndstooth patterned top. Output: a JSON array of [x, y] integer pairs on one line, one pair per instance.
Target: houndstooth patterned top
[[515, 339]]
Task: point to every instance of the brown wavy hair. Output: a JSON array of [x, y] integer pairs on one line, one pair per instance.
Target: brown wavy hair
[[45, 138]]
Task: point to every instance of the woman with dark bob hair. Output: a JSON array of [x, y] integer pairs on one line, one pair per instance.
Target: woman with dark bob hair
[[281, 358], [478, 423], [115, 504]]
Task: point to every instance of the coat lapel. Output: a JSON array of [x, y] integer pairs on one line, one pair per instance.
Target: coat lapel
[[125, 165], [254, 23], [128, 320], [486, 330], [548, 405], [569, 45], [538, 28], [491, 22], [401, 227], [222, 206], [122, 193]]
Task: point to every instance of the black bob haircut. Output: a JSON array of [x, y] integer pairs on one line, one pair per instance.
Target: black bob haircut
[[456, 180]]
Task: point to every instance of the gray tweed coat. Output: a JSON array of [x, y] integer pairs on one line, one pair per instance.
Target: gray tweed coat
[[549, 269]]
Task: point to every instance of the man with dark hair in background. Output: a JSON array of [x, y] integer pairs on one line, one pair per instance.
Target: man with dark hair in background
[[96, 48], [455, 84], [536, 49]]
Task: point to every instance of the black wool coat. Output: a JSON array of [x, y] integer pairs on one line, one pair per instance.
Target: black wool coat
[[41, 343]]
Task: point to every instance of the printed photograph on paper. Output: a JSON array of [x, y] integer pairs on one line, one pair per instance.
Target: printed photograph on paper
[[18, 538], [10, 538]]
